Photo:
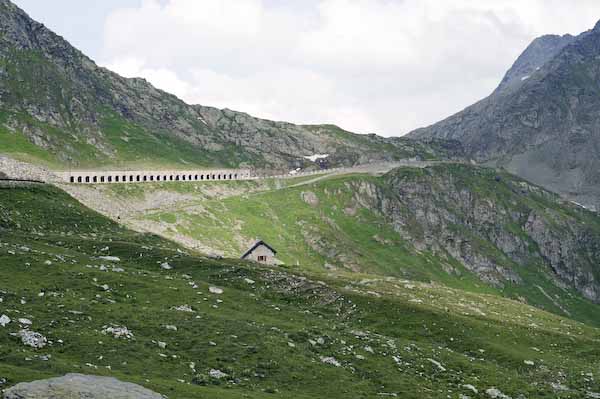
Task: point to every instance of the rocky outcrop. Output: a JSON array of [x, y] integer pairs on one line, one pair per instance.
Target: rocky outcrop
[[543, 121], [566, 245], [79, 386], [492, 223]]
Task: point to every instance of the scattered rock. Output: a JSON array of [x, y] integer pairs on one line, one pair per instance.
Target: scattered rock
[[330, 360], [4, 320], [470, 388], [218, 374], [529, 362], [33, 339], [215, 290], [495, 393], [248, 281], [184, 308], [110, 258], [558, 386], [80, 386], [437, 364], [118, 332], [165, 266]]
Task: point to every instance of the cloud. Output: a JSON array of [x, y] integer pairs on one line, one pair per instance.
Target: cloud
[[385, 66]]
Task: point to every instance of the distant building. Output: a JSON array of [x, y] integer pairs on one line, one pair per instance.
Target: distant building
[[261, 252]]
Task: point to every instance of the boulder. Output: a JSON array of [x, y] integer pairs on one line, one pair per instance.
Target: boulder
[[32, 338], [76, 386]]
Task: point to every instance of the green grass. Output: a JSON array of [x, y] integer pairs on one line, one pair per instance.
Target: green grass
[[343, 233], [393, 324], [17, 145], [72, 115]]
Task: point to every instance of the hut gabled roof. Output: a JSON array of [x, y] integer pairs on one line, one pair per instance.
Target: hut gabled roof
[[256, 245]]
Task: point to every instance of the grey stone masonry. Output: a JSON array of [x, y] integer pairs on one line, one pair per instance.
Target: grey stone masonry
[[146, 176]]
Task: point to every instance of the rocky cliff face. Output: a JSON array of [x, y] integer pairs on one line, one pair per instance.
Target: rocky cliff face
[[57, 105], [501, 228], [542, 122]]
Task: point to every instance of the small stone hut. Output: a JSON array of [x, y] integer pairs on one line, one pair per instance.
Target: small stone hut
[[261, 252]]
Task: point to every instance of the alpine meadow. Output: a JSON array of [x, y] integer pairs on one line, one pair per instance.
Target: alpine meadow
[[151, 248]]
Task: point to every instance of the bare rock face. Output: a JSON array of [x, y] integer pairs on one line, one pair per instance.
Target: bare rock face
[[79, 386], [496, 226], [542, 122]]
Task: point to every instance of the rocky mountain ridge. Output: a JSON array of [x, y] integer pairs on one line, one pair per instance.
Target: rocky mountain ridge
[[494, 225], [543, 121], [58, 106]]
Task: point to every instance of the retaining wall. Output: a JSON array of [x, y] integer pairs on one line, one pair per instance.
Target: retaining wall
[[145, 176]]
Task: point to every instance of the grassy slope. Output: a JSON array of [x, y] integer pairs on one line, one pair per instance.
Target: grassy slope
[[262, 331], [330, 234], [79, 126], [35, 80]]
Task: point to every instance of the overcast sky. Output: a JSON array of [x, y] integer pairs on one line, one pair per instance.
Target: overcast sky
[[382, 66]]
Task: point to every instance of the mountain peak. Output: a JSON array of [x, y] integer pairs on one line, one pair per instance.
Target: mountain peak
[[540, 50], [542, 121]]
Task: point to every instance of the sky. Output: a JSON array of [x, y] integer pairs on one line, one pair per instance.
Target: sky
[[369, 66]]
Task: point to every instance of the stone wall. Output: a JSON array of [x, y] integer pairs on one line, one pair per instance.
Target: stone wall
[[145, 176]]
